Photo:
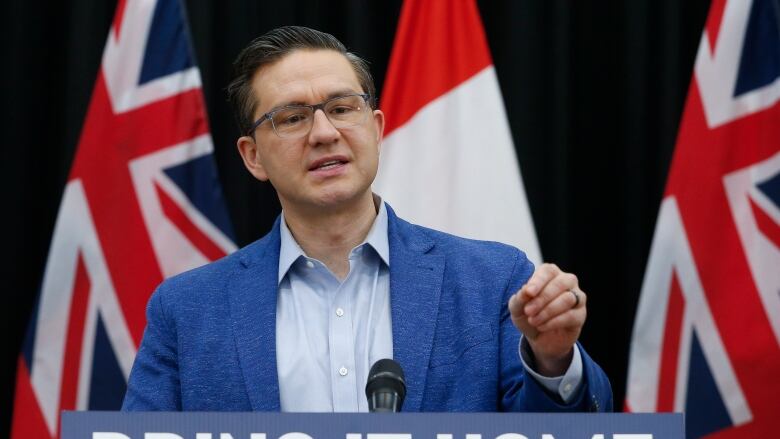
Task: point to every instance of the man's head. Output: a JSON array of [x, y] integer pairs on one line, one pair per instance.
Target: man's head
[[273, 46], [305, 79]]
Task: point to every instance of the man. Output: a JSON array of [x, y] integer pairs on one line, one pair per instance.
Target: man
[[294, 321]]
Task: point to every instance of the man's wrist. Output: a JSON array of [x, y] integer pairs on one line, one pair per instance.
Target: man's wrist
[[565, 385], [550, 365]]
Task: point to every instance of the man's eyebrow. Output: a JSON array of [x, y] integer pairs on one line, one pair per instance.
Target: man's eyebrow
[[342, 92], [285, 104], [329, 96]]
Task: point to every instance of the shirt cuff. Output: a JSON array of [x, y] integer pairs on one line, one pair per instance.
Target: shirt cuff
[[566, 385]]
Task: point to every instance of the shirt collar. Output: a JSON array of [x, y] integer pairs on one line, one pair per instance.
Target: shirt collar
[[290, 251]]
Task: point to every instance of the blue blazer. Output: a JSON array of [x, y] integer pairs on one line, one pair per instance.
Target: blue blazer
[[210, 340]]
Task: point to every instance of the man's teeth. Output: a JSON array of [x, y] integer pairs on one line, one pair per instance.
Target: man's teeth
[[330, 164]]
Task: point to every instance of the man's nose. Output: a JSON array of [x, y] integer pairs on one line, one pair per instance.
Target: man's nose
[[322, 130]]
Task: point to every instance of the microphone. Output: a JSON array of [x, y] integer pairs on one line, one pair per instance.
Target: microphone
[[386, 387]]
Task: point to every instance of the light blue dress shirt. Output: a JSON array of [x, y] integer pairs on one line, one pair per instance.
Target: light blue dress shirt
[[330, 332]]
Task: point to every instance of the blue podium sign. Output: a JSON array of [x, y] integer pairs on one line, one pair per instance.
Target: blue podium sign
[[212, 425]]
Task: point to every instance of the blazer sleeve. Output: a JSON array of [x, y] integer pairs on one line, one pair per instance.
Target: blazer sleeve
[[519, 391], [154, 379]]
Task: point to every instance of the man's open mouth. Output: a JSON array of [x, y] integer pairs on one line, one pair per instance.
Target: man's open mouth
[[328, 163]]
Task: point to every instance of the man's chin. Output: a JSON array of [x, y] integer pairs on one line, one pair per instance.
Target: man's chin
[[336, 198], [336, 195]]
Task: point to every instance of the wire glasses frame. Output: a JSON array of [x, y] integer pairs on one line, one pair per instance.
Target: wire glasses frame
[[296, 120]]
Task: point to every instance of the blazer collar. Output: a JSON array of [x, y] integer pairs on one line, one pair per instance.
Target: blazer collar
[[252, 294], [416, 276]]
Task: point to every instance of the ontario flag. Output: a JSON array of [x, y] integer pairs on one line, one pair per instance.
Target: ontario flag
[[142, 202], [707, 335], [448, 161]]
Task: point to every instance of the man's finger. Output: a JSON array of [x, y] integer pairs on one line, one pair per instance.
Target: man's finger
[[573, 318], [559, 305], [516, 304], [555, 287], [539, 279]]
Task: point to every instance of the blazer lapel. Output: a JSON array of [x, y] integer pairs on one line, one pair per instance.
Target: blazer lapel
[[253, 291], [415, 288]]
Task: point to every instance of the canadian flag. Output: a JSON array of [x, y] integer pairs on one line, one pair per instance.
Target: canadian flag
[[448, 161]]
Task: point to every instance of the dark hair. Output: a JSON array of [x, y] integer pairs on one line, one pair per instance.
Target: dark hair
[[273, 46]]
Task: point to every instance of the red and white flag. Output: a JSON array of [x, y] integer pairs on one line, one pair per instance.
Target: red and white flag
[[142, 203], [707, 335], [448, 161]]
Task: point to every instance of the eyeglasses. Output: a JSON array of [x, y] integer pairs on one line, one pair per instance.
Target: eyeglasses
[[294, 121]]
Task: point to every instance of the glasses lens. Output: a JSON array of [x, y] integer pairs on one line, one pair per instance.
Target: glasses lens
[[297, 120], [292, 121], [346, 111]]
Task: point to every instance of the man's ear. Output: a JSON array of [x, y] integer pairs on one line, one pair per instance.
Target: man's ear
[[250, 153], [379, 123]]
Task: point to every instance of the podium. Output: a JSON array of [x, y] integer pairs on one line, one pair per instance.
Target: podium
[[224, 425]]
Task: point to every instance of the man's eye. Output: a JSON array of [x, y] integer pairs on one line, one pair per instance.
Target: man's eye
[[290, 118], [342, 109]]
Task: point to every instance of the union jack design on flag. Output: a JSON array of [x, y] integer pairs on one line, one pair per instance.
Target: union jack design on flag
[[707, 334], [142, 203]]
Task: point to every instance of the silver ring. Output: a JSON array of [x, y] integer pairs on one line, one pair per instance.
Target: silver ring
[[576, 298]]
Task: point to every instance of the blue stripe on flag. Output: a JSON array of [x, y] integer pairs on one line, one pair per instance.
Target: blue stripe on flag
[[705, 411], [198, 180], [107, 385], [771, 188], [167, 49], [29, 340], [760, 63]]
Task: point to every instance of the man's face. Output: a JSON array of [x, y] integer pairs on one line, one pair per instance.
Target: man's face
[[329, 167]]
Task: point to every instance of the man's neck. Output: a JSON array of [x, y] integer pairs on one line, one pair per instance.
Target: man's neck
[[329, 235]]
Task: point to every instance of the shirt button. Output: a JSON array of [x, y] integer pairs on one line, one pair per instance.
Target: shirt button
[[339, 312], [343, 371], [567, 387], [310, 264]]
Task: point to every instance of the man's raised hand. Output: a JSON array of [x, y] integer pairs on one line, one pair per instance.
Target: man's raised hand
[[550, 310]]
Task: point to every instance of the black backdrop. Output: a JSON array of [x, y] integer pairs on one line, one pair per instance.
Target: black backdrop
[[593, 90]]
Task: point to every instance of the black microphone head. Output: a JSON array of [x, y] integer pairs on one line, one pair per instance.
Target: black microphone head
[[385, 387]]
